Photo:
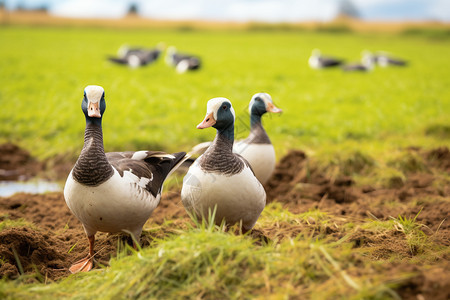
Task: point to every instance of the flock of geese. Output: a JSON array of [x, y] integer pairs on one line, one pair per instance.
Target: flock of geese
[[139, 57], [118, 191], [182, 62], [367, 63]]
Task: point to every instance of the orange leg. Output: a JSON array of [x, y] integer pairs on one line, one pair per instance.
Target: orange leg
[[85, 264]]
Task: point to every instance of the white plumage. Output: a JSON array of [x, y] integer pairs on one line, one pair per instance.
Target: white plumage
[[237, 197], [120, 204], [260, 156]]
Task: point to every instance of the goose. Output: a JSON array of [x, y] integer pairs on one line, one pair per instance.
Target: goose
[[318, 61], [221, 180], [257, 148], [136, 57], [182, 62], [384, 59], [116, 191]]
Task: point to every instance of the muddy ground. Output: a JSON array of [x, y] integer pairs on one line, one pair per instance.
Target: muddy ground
[[56, 238]]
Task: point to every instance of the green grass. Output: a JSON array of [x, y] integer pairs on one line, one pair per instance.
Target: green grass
[[6, 223], [352, 124], [209, 263], [44, 71]]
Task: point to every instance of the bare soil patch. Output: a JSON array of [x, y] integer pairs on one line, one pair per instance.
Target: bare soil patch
[[56, 238]]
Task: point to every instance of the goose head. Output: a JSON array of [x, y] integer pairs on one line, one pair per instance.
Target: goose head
[[93, 104], [219, 114], [262, 103]]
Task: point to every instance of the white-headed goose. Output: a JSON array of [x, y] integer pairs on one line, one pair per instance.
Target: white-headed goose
[[257, 148], [220, 178], [116, 191]]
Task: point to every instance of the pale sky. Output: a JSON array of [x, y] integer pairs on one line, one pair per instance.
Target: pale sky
[[245, 10]]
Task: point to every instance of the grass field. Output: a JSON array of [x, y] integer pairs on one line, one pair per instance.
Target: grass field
[[44, 72], [339, 119]]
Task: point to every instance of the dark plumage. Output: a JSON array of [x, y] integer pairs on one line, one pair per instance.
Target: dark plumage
[[318, 61], [383, 59], [182, 62], [357, 67], [154, 165], [136, 57]]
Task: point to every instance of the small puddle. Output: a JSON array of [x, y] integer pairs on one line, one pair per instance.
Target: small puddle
[[9, 188]]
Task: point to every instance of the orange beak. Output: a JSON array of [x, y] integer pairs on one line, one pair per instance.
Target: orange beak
[[94, 110], [272, 108], [208, 121]]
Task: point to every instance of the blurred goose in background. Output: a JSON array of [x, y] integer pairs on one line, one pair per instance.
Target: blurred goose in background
[[367, 64], [257, 148], [221, 180], [136, 57], [182, 62], [116, 191], [383, 59], [318, 61]]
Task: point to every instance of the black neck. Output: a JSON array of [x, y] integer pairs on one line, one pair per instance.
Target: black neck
[[227, 133], [257, 133], [92, 167], [255, 120]]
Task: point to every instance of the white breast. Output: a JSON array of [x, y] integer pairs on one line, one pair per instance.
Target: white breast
[[116, 205], [260, 156], [238, 197], [314, 62]]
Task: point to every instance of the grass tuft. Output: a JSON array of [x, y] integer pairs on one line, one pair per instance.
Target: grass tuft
[[8, 223], [408, 162]]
